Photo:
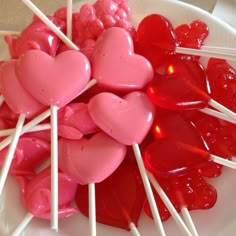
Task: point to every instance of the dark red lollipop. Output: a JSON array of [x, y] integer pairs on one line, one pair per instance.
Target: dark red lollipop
[[119, 198]]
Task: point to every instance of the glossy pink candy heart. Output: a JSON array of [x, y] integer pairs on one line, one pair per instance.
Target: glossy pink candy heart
[[114, 64], [35, 194], [127, 119], [90, 160], [53, 81], [16, 97]]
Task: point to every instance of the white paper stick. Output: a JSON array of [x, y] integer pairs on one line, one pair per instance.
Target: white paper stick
[[148, 189], [92, 210], [133, 229], [54, 28], [188, 220], [54, 169], [217, 114], [28, 217], [169, 205], [6, 132], [69, 19], [206, 53], [223, 109], [10, 153], [222, 161]]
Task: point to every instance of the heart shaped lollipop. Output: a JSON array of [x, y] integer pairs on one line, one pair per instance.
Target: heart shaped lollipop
[[90, 161], [119, 198], [127, 119], [114, 63], [180, 84], [53, 81]]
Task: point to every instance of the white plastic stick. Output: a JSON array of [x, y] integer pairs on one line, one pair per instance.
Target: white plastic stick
[[222, 109], [9, 32], [169, 205], [148, 189], [53, 27], [219, 49], [28, 217], [92, 210], [54, 169], [222, 161], [69, 19], [133, 229], [10, 153], [217, 114], [188, 220], [6, 132], [206, 53]]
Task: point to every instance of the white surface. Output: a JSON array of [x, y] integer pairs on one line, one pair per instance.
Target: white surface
[[218, 221]]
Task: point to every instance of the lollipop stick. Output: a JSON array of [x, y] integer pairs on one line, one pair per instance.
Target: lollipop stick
[[10, 153], [133, 229], [92, 210], [28, 217], [169, 205], [219, 49], [207, 53], [69, 19], [9, 32], [148, 189], [223, 109], [217, 114], [188, 220], [41, 127], [53, 27], [223, 161], [54, 169]]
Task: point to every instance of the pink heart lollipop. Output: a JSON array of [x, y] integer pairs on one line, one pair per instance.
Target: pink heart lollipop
[[90, 160], [127, 119], [115, 48], [53, 81]]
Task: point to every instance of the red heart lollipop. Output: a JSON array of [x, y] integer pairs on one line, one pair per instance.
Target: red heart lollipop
[[180, 84], [155, 39], [119, 198], [222, 79]]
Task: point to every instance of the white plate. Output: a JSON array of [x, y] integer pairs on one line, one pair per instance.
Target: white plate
[[218, 221]]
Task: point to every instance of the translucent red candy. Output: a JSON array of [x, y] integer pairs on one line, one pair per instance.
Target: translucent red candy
[[119, 198], [222, 79], [180, 84], [155, 39], [192, 35], [190, 190]]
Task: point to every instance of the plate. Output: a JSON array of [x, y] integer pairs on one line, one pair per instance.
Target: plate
[[220, 220]]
